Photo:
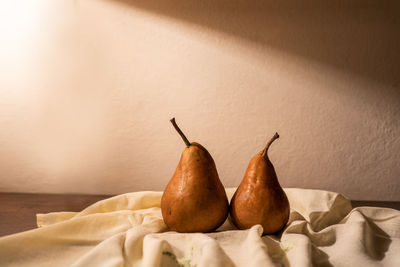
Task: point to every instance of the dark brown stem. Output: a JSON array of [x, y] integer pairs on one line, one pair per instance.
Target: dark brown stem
[[265, 150], [180, 132]]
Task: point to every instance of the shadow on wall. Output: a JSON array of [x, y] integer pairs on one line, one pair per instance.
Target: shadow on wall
[[357, 36]]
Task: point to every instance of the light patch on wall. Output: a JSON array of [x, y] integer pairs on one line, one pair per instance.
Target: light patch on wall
[[20, 23], [20, 18]]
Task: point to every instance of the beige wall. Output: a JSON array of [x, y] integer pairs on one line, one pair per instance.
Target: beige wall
[[87, 89]]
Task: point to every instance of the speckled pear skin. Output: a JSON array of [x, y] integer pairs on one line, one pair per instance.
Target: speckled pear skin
[[260, 199], [194, 200]]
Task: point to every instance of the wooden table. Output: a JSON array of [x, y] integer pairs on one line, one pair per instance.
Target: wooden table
[[18, 211]]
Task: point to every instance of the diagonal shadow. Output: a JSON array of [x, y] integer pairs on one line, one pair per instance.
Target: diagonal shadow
[[357, 36]]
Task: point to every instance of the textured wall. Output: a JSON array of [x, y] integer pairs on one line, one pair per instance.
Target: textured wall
[[87, 89]]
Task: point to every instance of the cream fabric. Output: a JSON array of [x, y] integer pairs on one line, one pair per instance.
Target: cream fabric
[[128, 230]]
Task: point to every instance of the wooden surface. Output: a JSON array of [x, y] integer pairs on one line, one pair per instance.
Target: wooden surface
[[18, 211]]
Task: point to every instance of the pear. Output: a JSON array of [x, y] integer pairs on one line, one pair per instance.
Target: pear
[[260, 199], [194, 200]]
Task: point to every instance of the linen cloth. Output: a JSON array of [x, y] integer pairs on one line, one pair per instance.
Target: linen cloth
[[128, 230]]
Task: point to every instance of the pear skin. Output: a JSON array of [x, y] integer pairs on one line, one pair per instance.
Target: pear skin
[[260, 199], [194, 200]]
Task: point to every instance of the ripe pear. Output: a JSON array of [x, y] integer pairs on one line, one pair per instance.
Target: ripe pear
[[194, 200], [260, 199]]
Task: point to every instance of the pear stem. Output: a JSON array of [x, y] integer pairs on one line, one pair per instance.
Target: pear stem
[[265, 150], [180, 132]]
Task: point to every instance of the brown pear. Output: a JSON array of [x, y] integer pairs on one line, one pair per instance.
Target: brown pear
[[194, 200], [260, 199]]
